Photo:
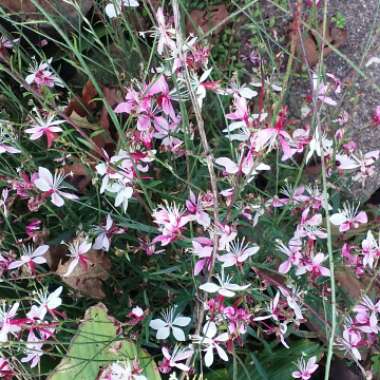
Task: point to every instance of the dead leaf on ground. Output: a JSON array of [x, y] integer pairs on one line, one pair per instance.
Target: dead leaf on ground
[[206, 19], [78, 175], [88, 282], [54, 255], [310, 47]]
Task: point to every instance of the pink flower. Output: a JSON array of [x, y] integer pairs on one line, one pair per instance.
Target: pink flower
[[314, 266], [136, 315], [31, 257], [160, 87], [270, 137], [78, 253], [310, 226], [349, 218], [305, 370], [48, 127], [203, 248], [293, 252], [40, 75], [227, 233], [237, 253], [370, 250], [172, 360], [366, 315], [194, 207], [33, 350], [165, 32], [171, 221], [8, 149], [6, 372], [376, 115], [52, 185], [32, 229], [323, 90]]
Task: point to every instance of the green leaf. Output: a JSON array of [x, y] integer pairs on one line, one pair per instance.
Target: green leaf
[[97, 345]]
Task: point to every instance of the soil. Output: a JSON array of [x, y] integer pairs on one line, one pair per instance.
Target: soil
[[361, 95]]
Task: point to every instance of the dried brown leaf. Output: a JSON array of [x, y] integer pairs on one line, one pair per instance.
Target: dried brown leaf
[[88, 282]]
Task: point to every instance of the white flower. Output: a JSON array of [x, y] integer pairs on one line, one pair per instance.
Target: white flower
[[7, 320], [30, 257], [49, 302], [47, 183], [225, 288], [170, 322], [114, 8], [78, 250], [210, 342], [124, 194], [102, 241]]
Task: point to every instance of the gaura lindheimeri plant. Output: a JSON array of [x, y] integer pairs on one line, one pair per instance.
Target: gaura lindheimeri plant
[[218, 217], [51, 186]]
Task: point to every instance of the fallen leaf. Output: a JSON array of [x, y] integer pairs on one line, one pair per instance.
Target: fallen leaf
[[309, 48], [206, 19], [88, 282], [78, 175]]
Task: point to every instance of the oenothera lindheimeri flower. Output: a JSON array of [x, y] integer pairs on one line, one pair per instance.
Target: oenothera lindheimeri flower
[[310, 226], [114, 8], [293, 251], [323, 89], [367, 315], [195, 208], [202, 248], [105, 233], [30, 257], [314, 266], [225, 287], [44, 127], [78, 253], [370, 250], [165, 33], [5, 369], [41, 75], [170, 322], [172, 360], [237, 253], [352, 339], [128, 370], [52, 185], [247, 166], [376, 116], [33, 350], [272, 308], [171, 220], [49, 302], [365, 163], [305, 369], [349, 218], [316, 143], [8, 323], [210, 341], [268, 138]]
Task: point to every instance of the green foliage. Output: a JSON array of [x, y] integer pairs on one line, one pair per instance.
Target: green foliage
[[339, 20], [95, 345]]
